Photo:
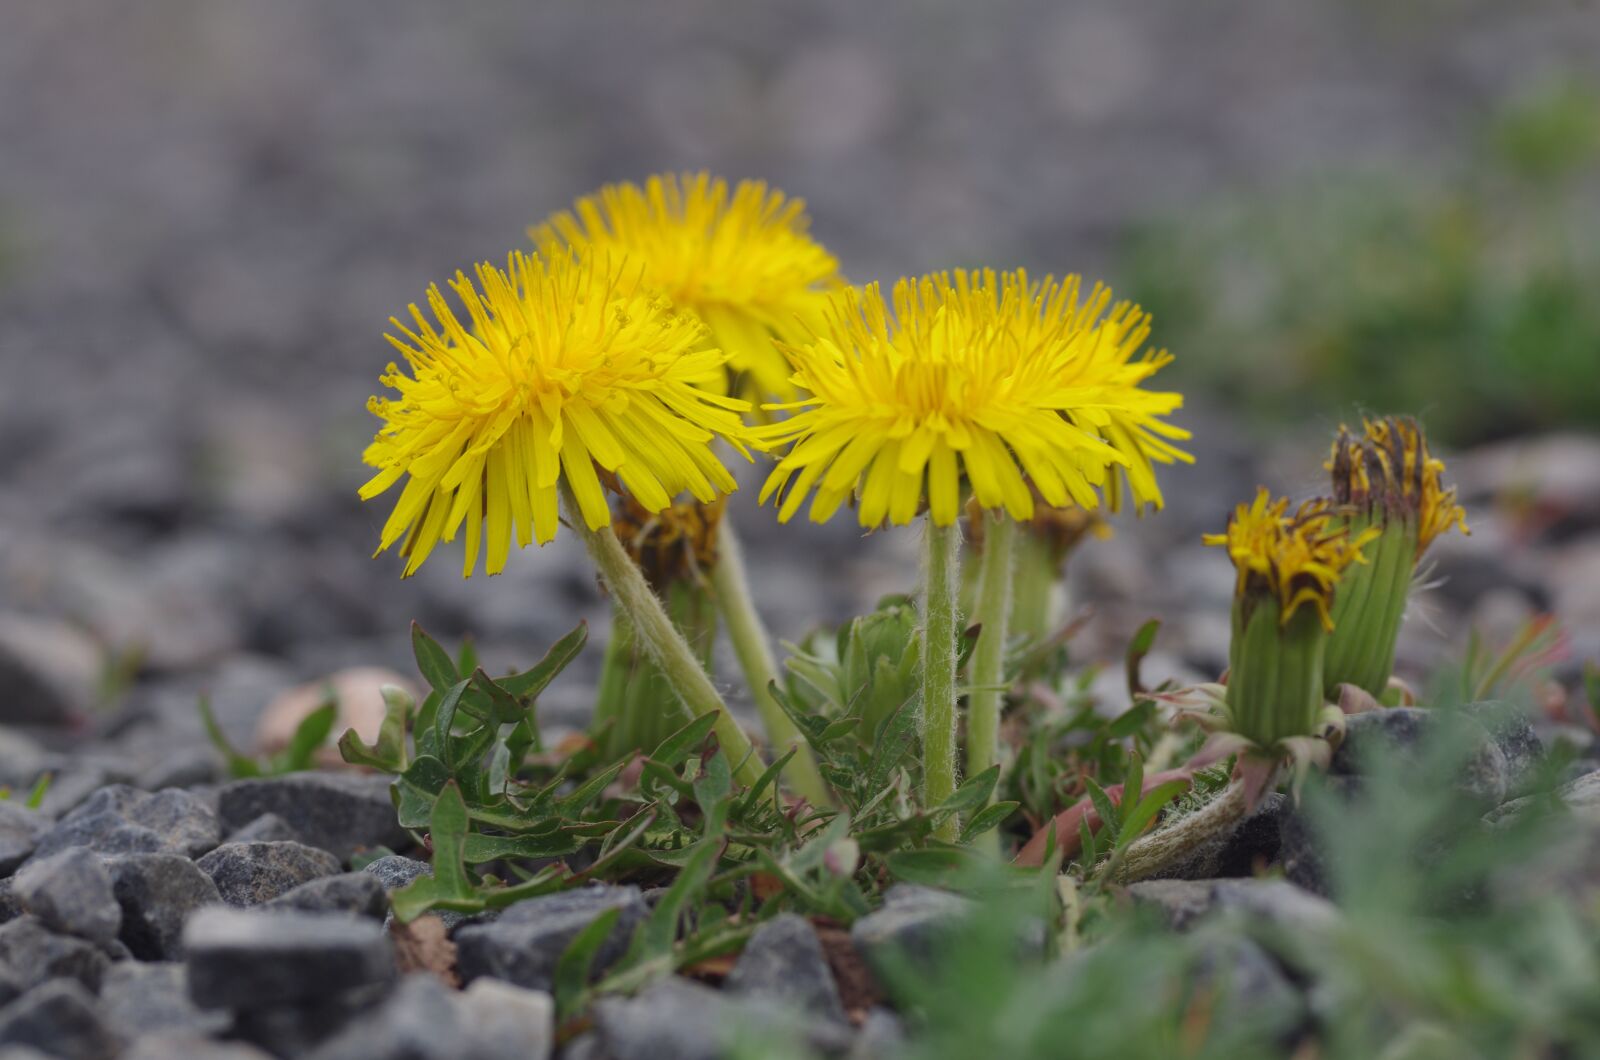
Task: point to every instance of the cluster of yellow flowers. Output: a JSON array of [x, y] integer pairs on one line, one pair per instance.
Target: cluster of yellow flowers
[[651, 325], [614, 344]]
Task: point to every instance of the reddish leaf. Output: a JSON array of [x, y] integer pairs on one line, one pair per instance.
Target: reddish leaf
[[1066, 822]]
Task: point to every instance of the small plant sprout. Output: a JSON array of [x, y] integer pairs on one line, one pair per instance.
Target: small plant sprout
[[1385, 482], [570, 368], [980, 385], [1289, 566], [743, 263]]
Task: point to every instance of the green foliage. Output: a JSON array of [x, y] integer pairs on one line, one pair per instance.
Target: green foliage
[[1441, 934], [35, 795], [310, 736], [1472, 300], [868, 669], [1485, 672], [1450, 935]]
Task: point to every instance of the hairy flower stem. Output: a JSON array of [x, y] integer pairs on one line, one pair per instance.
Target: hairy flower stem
[[1035, 591], [614, 674], [731, 587], [940, 564], [695, 692], [1183, 838], [988, 656]]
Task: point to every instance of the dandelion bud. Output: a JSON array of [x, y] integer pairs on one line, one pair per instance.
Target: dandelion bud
[[1289, 566], [1387, 485]]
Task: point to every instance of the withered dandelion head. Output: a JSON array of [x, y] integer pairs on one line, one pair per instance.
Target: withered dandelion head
[[742, 260], [1291, 559], [1389, 473], [564, 368], [984, 379], [678, 543]]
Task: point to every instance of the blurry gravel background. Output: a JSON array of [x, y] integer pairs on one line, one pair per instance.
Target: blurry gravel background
[[209, 209]]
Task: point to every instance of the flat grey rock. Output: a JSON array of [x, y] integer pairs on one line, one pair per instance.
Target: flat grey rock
[[123, 820], [268, 828], [348, 892], [1183, 902], [1251, 986], [253, 873], [20, 829], [418, 1021], [674, 1019], [59, 1019], [507, 1022], [71, 893], [677, 1019], [784, 962], [524, 944], [915, 922], [190, 1047], [338, 812], [38, 954], [245, 959], [1513, 733], [396, 871], [1404, 737], [158, 893], [139, 999]]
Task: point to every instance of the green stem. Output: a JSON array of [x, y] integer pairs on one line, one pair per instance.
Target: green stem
[[661, 639], [614, 674], [989, 654], [731, 586], [1033, 588], [941, 561]]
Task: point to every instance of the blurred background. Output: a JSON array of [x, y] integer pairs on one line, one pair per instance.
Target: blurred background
[[208, 211]]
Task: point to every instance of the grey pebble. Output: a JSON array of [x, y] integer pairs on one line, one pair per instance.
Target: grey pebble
[[71, 893], [158, 893], [252, 873]]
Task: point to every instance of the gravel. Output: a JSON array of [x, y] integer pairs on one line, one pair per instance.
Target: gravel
[[39, 955], [139, 1000], [340, 813], [71, 892], [348, 892], [784, 962], [253, 873], [123, 820], [20, 829], [523, 945], [252, 959], [158, 893], [58, 1018]]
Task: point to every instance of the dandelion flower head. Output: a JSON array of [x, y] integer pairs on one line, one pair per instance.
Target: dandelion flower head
[[1009, 386], [742, 260], [564, 369]]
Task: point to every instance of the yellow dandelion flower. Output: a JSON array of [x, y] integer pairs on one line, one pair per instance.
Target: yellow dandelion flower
[[1291, 559], [743, 261], [983, 378], [1389, 471], [564, 368]]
